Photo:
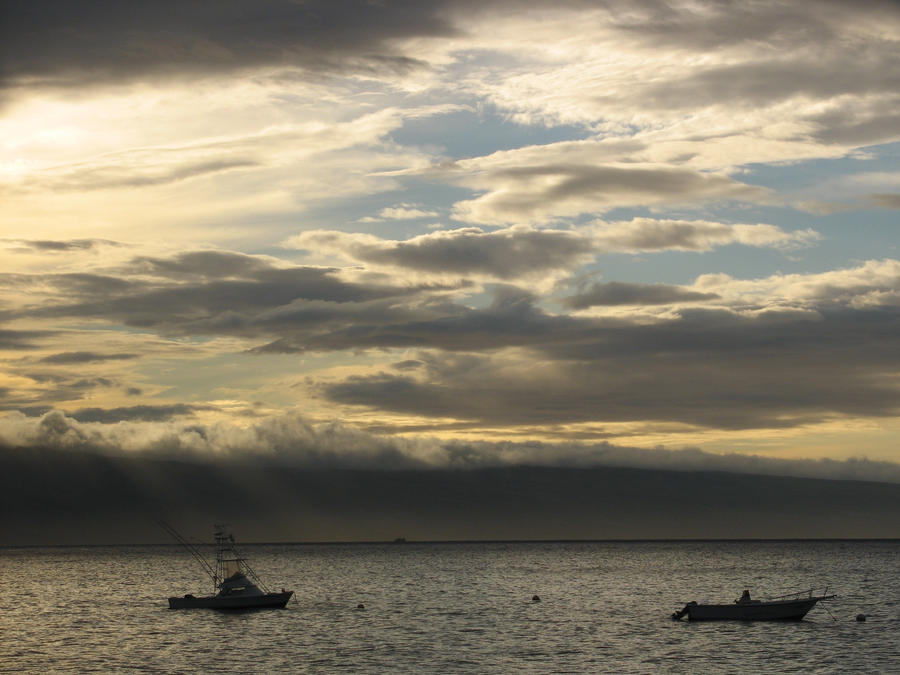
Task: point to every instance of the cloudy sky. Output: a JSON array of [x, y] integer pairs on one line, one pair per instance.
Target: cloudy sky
[[454, 233]]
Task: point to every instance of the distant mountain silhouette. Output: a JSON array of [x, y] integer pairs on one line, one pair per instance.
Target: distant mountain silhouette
[[50, 497]]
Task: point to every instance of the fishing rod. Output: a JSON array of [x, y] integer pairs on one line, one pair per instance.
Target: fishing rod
[[207, 567]]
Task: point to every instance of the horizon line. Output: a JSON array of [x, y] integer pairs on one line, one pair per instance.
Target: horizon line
[[403, 542]]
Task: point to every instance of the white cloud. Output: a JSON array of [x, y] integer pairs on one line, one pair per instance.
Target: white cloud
[[647, 234], [400, 212], [873, 283]]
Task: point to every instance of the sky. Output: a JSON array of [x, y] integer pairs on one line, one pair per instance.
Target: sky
[[454, 234]]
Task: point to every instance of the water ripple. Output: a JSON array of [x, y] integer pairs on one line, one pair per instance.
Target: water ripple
[[451, 608]]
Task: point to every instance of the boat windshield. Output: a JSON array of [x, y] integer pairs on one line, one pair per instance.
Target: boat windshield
[[230, 566]]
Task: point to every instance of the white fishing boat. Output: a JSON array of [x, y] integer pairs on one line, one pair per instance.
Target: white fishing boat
[[235, 584], [789, 607]]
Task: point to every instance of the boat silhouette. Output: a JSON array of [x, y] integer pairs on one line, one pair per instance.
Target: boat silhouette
[[235, 584], [788, 607]]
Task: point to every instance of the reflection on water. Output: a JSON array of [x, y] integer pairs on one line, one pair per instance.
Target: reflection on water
[[442, 608]]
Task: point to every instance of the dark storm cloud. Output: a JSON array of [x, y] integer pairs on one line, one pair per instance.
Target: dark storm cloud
[[61, 387], [764, 27], [91, 284], [867, 120], [714, 25], [66, 387], [71, 284], [544, 191], [522, 252], [387, 323], [85, 357], [513, 363], [825, 50], [222, 293], [60, 42], [57, 42], [216, 302], [509, 320], [143, 413], [23, 339], [49, 246], [32, 411], [709, 368], [757, 84], [202, 264], [858, 121], [91, 382], [473, 251], [506, 254], [618, 293]]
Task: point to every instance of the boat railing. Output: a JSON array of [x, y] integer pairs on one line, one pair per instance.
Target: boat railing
[[810, 593]]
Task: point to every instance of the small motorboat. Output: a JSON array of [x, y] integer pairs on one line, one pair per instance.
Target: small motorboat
[[235, 584], [789, 607]]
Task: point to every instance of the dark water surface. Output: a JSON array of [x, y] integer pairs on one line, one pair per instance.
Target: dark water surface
[[446, 608]]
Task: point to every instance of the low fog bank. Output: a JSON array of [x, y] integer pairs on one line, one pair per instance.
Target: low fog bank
[[294, 441], [53, 497]]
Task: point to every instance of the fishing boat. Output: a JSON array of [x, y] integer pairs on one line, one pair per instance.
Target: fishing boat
[[788, 607], [235, 584]]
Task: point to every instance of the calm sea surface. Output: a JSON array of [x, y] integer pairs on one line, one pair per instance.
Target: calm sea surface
[[452, 608]]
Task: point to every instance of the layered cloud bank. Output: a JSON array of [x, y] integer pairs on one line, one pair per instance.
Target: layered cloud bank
[[525, 253], [292, 441], [720, 353], [405, 234]]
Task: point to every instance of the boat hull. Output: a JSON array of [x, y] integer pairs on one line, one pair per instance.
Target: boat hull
[[267, 600], [787, 610]]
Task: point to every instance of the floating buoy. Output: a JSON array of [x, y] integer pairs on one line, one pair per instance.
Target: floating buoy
[[860, 617], [360, 606], [535, 598]]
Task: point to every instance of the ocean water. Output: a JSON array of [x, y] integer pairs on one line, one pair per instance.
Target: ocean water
[[453, 608]]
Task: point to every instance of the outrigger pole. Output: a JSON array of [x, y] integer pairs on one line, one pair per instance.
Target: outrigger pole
[[225, 545], [192, 550]]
